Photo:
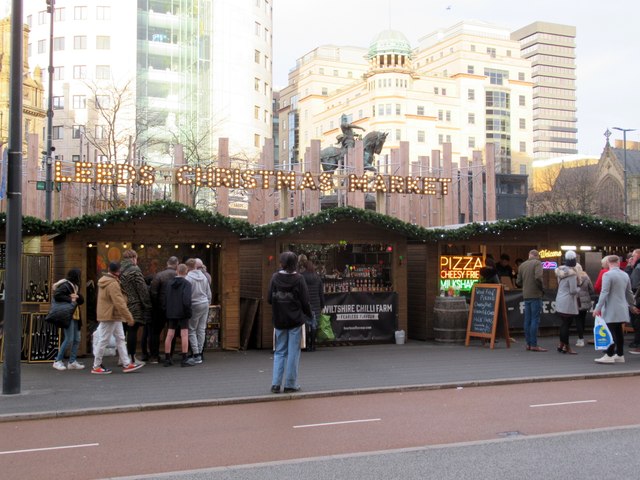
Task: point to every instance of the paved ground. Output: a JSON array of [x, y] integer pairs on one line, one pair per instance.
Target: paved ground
[[234, 377]]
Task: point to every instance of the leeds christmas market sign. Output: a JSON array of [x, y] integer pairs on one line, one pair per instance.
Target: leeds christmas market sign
[[214, 177]]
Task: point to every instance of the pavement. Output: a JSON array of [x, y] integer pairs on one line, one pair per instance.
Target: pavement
[[232, 377]]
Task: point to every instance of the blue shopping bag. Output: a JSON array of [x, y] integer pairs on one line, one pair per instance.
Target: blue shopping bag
[[602, 337]]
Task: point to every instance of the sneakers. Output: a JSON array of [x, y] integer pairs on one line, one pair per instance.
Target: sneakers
[[618, 358], [59, 365], [154, 360], [75, 366], [635, 351], [198, 359], [580, 342], [605, 359], [101, 370], [291, 389], [132, 367], [275, 388], [167, 362], [189, 362]]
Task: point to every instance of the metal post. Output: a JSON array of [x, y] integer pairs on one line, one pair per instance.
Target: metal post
[[50, 149], [13, 280]]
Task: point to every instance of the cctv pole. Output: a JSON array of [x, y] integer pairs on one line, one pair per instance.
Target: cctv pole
[[49, 153], [13, 279]]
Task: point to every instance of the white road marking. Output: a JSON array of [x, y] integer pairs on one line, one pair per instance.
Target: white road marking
[[338, 423], [62, 447], [562, 403]]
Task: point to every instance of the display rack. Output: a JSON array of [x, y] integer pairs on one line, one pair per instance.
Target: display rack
[[36, 278]]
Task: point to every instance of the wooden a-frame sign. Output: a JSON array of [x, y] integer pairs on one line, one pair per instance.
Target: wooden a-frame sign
[[487, 309]]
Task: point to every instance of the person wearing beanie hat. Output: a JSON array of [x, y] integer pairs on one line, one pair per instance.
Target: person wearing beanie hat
[[567, 299]]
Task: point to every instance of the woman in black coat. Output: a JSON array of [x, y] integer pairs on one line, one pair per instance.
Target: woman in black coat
[[68, 290]]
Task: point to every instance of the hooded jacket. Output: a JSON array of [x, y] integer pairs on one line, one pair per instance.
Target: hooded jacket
[[136, 290], [200, 288], [567, 296], [179, 299], [289, 299], [112, 303]]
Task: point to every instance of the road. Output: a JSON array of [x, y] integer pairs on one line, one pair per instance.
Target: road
[[496, 419]]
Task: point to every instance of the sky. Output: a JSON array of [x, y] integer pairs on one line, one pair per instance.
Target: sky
[[607, 40]]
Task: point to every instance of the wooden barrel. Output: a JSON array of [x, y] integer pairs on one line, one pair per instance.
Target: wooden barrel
[[450, 320]]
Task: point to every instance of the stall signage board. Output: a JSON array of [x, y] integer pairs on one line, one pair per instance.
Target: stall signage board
[[362, 316], [486, 311], [460, 272]]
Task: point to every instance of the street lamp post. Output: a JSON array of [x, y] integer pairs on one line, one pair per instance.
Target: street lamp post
[[49, 152], [624, 146]]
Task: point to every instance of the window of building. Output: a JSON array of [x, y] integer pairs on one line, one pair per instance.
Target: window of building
[[42, 17], [335, 73], [256, 56], [360, 113], [523, 169], [473, 48], [103, 42], [523, 123], [521, 76], [101, 132], [398, 135], [266, 88], [103, 72], [325, 91], [256, 84], [103, 101], [470, 69], [521, 101], [440, 139], [471, 94], [398, 109], [266, 116], [75, 158], [58, 132], [80, 13], [256, 112], [491, 52], [436, 90], [79, 101], [321, 71], [80, 42], [103, 13], [496, 77], [448, 115], [471, 118], [58, 73], [523, 147], [387, 109], [420, 110], [79, 72], [258, 29], [421, 136], [58, 44], [77, 131], [472, 142], [42, 46], [59, 14], [30, 20], [349, 74], [444, 91], [440, 115], [256, 140], [29, 50], [266, 35], [57, 103], [380, 109], [508, 53], [448, 138]]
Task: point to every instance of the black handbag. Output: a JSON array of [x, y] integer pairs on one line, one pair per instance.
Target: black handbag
[[60, 314]]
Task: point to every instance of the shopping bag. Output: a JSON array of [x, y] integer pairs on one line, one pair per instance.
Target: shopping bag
[[324, 331], [602, 337], [60, 314]]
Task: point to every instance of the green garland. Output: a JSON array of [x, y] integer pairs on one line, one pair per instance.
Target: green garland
[[34, 226]]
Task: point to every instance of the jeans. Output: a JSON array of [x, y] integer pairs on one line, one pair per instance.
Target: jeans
[[532, 310], [105, 330], [197, 327], [287, 356], [71, 336]]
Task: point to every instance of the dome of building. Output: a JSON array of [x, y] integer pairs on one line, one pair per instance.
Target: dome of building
[[389, 42]]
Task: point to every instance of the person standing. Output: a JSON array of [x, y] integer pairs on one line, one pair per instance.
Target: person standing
[[316, 301], [567, 299], [530, 280], [111, 312], [67, 290], [585, 303], [613, 305], [158, 292], [138, 300], [179, 310], [289, 299], [200, 301]]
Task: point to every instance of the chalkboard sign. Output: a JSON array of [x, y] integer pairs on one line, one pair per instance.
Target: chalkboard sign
[[487, 310]]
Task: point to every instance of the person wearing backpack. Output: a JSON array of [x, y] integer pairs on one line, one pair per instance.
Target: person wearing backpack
[[289, 299]]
